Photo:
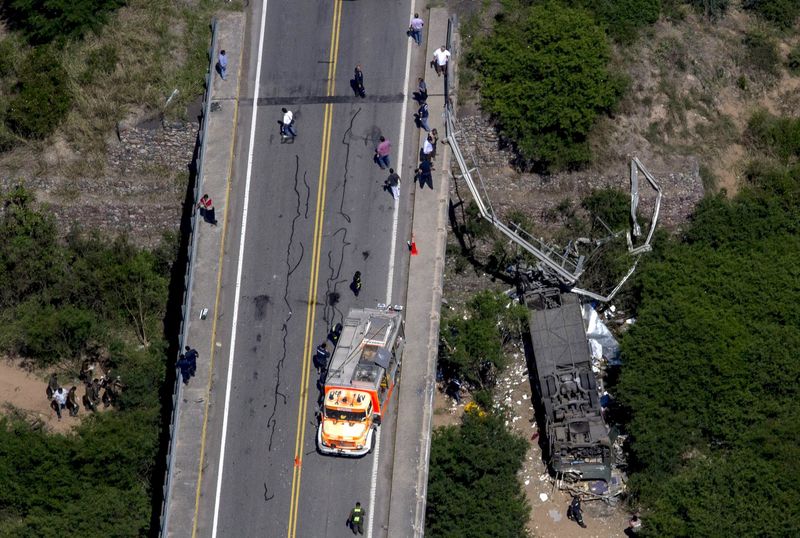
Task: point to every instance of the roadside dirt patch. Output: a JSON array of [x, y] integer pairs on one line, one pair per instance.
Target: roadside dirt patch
[[24, 392]]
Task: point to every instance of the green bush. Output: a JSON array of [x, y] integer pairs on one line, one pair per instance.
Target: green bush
[[762, 54], [50, 334], [782, 13], [43, 21], [42, 99], [468, 344], [793, 60], [612, 206], [622, 18], [710, 375], [713, 9], [61, 301], [473, 487], [545, 79], [777, 136]]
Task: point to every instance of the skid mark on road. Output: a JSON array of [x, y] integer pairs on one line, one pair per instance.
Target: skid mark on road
[[291, 267]]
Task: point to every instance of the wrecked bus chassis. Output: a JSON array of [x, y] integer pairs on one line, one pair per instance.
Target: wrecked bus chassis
[[580, 446]]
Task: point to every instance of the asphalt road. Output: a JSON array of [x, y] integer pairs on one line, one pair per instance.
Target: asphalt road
[[316, 212]]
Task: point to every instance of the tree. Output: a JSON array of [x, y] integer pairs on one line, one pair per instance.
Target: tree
[[43, 21], [471, 341], [473, 489], [545, 79], [622, 18], [710, 368]]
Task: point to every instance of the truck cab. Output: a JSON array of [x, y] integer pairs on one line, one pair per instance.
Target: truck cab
[[362, 374]]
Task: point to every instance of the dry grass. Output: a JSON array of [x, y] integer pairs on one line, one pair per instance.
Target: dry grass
[[155, 47]]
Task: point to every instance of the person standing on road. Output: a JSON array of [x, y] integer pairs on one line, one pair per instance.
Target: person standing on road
[[207, 211], [287, 125], [356, 519], [222, 64], [393, 183], [358, 82], [415, 28], [440, 58], [382, 153], [355, 285], [321, 357], [187, 363], [422, 117]]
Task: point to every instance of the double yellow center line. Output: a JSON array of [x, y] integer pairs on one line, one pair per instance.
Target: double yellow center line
[[313, 280]]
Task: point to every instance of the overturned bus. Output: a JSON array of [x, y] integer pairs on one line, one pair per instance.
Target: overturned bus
[[580, 447]]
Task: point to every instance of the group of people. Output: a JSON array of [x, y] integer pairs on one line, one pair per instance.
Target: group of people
[[97, 390]]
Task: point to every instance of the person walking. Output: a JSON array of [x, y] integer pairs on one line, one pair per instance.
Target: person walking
[[424, 174], [382, 151], [421, 95], [187, 363], [207, 211], [393, 183], [355, 285], [575, 513], [222, 64], [52, 386], [427, 148], [358, 82], [434, 137], [440, 58], [321, 356], [422, 117], [287, 125], [59, 401], [356, 519], [72, 402], [415, 28]]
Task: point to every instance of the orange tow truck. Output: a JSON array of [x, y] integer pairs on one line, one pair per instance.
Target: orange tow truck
[[362, 374]]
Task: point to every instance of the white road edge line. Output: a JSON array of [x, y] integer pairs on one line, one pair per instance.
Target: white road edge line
[[390, 276], [239, 269]]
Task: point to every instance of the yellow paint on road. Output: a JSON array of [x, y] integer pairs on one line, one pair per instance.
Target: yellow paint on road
[[314, 277]]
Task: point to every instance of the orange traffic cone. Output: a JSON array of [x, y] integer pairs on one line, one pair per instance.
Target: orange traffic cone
[[412, 246]]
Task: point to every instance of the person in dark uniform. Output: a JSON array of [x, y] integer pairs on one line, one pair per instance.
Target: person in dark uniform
[[72, 402], [575, 513], [358, 82], [356, 519], [52, 386], [355, 285], [335, 334], [321, 357]]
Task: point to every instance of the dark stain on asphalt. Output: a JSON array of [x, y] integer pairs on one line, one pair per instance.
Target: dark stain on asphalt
[[261, 302]]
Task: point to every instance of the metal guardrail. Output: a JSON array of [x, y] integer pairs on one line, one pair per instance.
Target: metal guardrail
[[187, 296], [556, 262]]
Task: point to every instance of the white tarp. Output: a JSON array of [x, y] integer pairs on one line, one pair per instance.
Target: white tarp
[[602, 343]]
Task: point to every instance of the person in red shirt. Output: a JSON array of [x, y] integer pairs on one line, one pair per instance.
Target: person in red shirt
[[206, 206]]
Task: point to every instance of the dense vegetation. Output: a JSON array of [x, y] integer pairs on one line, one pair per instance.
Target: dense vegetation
[[44, 21], [75, 68], [471, 345], [473, 489], [545, 78], [60, 302], [711, 372]]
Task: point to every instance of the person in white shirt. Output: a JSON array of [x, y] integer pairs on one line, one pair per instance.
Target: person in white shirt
[[287, 129], [440, 58], [427, 148], [59, 401]]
